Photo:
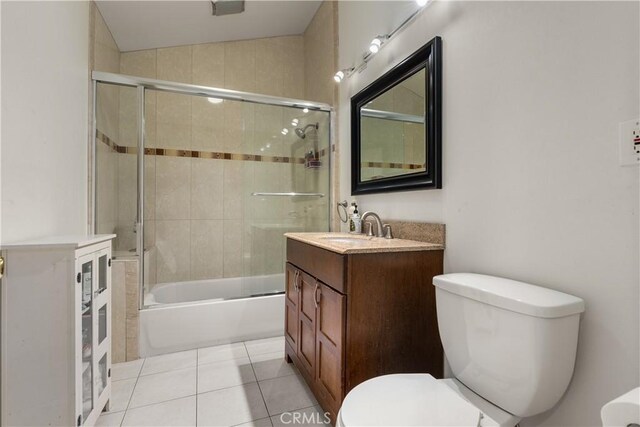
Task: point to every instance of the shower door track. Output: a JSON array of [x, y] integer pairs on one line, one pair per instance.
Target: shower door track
[[142, 83], [189, 89]]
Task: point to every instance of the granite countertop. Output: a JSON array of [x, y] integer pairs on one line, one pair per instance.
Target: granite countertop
[[346, 243]]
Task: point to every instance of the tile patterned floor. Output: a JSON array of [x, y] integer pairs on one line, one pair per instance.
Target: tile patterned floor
[[240, 384]]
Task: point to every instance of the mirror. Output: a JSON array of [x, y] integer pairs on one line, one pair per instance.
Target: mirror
[[396, 127]]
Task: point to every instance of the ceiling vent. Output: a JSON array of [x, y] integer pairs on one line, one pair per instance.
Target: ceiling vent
[[227, 7]]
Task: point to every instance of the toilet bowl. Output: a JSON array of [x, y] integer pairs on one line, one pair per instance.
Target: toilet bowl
[[511, 347], [418, 400]]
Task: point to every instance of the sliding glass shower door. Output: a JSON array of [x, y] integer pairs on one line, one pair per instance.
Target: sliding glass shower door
[[223, 181]]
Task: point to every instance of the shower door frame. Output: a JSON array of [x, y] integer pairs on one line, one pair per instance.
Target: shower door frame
[[142, 84]]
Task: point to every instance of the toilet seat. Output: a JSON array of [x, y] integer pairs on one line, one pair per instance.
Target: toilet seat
[[418, 400]]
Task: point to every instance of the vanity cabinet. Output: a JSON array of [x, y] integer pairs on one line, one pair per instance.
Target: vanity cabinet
[[350, 317], [56, 329]]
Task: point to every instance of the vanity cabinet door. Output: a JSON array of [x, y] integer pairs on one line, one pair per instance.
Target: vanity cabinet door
[[307, 323], [330, 336], [292, 296]]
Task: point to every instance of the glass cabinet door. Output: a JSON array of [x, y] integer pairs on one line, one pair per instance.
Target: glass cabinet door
[[102, 326], [103, 261], [86, 281]]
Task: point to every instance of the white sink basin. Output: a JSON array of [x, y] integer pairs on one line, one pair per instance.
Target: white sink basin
[[346, 239]]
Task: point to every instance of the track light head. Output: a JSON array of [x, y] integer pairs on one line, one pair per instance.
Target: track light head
[[342, 73]]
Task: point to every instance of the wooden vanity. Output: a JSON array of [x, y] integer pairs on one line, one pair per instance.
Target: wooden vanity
[[359, 309]]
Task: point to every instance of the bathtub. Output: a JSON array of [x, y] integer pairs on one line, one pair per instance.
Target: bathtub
[[187, 315]]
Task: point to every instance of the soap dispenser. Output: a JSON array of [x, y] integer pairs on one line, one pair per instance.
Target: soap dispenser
[[355, 225]]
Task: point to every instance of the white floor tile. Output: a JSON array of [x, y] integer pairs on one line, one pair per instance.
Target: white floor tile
[[263, 422], [120, 394], [164, 386], [228, 373], [221, 352], [125, 370], [286, 394], [169, 362], [267, 345], [110, 419], [271, 365], [231, 406], [179, 412], [308, 417]]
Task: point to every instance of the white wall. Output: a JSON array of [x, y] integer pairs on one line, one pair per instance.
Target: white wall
[[533, 94], [45, 62]]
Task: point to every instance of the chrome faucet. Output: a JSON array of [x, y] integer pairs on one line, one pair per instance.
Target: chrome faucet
[[379, 226]]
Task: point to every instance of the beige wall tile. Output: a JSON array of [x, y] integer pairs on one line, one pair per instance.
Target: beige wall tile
[[320, 55], [240, 65], [141, 63], [150, 119], [234, 188], [107, 188], [105, 50], [127, 187], [173, 250], [269, 66], [232, 244], [149, 234], [126, 238], [206, 249], [128, 121], [293, 67], [206, 188], [239, 123], [208, 64], [173, 175], [173, 121], [174, 64], [268, 126], [267, 178], [151, 267], [107, 106], [207, 125], [149, 187]]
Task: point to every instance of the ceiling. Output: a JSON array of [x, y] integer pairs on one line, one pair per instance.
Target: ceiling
[[137, 25]]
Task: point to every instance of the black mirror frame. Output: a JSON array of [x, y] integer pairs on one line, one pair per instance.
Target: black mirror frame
[[429, 57]]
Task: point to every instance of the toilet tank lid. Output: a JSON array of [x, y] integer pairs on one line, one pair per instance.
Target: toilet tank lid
[[511, 295]]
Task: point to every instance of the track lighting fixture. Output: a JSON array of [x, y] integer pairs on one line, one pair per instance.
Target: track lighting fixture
[[342, 73], [377, 43]]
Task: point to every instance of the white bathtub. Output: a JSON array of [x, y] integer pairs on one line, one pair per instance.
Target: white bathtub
[[187, 315]]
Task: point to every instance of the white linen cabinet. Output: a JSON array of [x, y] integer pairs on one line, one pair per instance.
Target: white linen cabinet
[[55, 332]]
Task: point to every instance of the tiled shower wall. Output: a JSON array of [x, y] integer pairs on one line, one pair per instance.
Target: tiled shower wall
[[199, 212]]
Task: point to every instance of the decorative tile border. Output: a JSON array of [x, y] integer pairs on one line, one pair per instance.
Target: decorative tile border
[[391, 165], [201, 154]]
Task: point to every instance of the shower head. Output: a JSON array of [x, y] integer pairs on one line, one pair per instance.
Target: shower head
[[302, 132]]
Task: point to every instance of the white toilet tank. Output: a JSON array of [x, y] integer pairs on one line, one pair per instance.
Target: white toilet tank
[[512, 343]]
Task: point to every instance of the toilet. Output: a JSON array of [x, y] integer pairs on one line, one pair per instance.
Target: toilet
[[511, 347]]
